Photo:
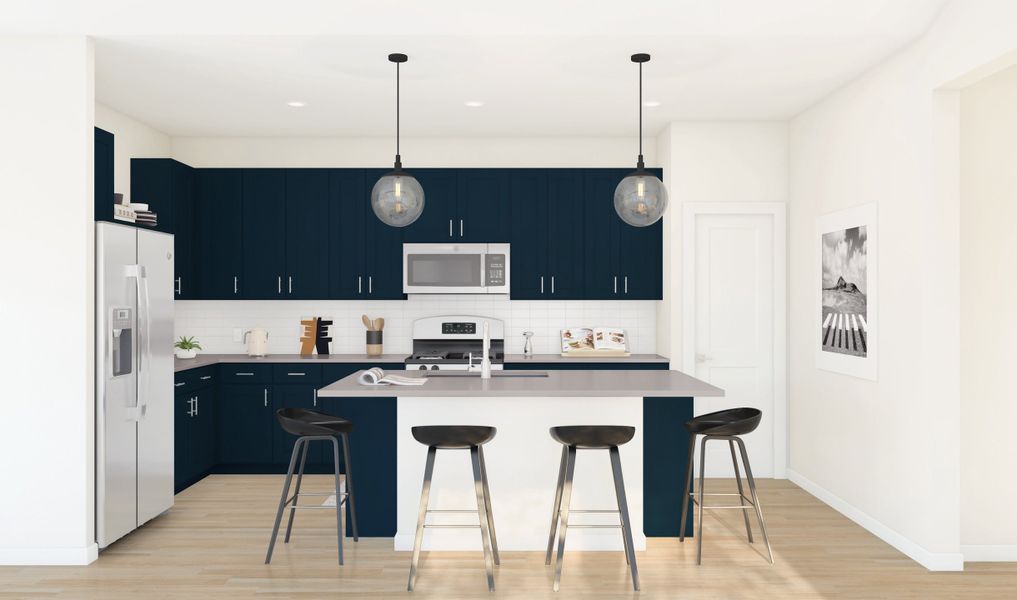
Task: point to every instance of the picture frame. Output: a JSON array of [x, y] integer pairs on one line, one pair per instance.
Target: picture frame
[[846, 319]]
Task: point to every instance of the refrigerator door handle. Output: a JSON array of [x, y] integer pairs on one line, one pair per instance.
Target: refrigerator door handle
[[137, 272]]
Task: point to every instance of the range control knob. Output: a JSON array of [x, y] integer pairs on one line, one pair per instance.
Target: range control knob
[[434, 367], [422, 368]]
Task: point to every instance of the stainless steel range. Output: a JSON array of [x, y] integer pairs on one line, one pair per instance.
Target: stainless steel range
[[455, 343]]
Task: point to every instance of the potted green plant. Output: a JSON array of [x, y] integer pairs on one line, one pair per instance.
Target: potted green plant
[[186, 347]]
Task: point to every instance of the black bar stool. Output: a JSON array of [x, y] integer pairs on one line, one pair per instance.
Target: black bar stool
[[458, 437], [589, 437], [312, 426], [723, 425]]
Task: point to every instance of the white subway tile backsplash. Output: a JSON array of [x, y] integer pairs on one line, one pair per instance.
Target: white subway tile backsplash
[[213, 321]]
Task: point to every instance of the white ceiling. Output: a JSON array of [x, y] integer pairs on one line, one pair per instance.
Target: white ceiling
[[540, 70]]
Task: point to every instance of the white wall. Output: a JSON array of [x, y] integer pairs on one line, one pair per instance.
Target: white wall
[[46, 302], [887, 453], [988, 219], [132, 139], [416, 152]]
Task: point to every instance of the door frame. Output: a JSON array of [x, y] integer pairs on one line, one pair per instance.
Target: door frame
[[777, 210]]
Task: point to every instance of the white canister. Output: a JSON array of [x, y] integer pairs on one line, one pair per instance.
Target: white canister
[[257, 342]]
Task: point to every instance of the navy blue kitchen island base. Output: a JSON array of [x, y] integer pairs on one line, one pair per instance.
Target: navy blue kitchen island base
[[252, 442]]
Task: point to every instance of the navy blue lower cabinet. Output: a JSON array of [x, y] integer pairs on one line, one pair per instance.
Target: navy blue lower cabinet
[[194, 435], [182, 408], [244, 425], [373, 453], [665, 457]]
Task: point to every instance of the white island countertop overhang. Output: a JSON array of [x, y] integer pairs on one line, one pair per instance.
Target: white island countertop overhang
[[522, 460], [580, 383]]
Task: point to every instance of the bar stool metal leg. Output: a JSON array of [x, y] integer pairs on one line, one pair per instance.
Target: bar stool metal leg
[[296, 492], [340, 530], [487, 505], [556, 508], [700, 500], [350, 497], [283, 499], [623, 509], [566, 499], [689, 471], [485, 533], [741, 492], [755, 499], [425, 492]]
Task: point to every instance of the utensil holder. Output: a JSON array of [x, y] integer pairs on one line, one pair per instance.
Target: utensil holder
[[374, 343]]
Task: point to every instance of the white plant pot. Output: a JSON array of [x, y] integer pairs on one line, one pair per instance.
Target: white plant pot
[[185, 353]]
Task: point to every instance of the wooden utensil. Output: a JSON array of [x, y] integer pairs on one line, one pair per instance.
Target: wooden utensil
[[379, 323], [367, 322]]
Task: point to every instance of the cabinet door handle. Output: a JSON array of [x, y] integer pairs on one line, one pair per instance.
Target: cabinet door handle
[[178, 287], [541, 284], [197, 404], [245, 374], [179, 384], [278, 284], [191, 411], [460, 228], [289, 284], [626, 284], [314, 397], [295, 374], [206, 377], [552, 284], [616, 284], [450, 227], [234, 284], [360, 284], [266, 396], [370, 284]]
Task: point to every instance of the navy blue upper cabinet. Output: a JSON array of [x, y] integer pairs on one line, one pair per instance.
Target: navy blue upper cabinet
[[529, 234], [264, 219], [641, 256], [483, 211], [103, 175], [383, 261], [185, 283], [440, 220], [152, 182], [347, 202], [622, 262], [218, 253], [565, 246], [307, 227], [601, 228]]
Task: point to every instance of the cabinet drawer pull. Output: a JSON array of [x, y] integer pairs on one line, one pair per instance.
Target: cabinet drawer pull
[[245, 374], [206, 377], [296, 374], [179, 384]]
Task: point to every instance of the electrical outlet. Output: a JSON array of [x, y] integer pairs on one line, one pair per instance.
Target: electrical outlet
[[238, 335]]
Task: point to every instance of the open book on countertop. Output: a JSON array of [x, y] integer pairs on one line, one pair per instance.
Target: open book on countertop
[[598, 341], [375, 376]]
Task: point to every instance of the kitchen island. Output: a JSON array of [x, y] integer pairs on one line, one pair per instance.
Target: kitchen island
[[523, 460]]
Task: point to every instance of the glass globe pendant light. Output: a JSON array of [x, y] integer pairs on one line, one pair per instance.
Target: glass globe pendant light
[[397, 199], [641, 198]]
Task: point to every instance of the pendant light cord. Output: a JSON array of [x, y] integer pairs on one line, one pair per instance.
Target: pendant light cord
[[639, 164], [397, 116]]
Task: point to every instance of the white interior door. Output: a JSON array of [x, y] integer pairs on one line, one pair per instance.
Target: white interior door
[[733, 325]]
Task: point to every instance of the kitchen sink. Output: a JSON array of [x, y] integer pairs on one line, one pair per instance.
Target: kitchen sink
[[493, 374]]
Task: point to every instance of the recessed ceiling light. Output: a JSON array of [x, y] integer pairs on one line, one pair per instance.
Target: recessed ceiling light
[[651, 104], [296, 103], [474, 103]]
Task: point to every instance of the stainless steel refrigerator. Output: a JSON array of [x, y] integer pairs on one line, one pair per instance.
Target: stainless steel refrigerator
[[134, 378]]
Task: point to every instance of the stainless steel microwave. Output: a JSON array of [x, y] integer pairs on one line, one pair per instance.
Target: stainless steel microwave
[[455, 268]]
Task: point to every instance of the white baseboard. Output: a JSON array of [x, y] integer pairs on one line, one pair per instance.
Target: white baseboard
[[989, 553], [49, 556], [933, 561]]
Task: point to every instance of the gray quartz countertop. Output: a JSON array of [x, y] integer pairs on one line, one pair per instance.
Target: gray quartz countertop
[[618, 383], [204, 360]]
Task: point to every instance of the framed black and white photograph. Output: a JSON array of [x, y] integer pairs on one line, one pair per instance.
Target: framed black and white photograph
[[846, 320]]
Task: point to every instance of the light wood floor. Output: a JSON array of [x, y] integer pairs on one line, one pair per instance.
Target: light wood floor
[[212, 545]]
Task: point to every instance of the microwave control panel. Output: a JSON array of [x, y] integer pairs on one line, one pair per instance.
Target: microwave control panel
[[494, 269]]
